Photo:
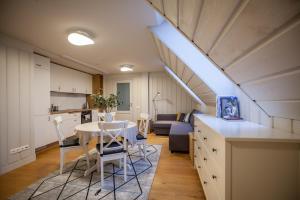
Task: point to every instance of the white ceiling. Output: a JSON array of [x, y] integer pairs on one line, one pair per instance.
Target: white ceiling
[[255, 43], [119, 27]]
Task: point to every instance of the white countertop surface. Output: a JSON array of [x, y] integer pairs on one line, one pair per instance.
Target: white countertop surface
[[247, 131]]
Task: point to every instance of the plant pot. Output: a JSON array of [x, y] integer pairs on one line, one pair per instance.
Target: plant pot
[[108, 117]]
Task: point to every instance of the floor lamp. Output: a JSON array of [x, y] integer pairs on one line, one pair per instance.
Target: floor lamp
[[154, 105]]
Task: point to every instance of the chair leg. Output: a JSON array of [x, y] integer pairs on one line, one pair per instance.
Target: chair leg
[[62, 154], [125, 167], [120, 163], [86, 151], [98, 164], [140, 150], [144, 150], [102, 172]]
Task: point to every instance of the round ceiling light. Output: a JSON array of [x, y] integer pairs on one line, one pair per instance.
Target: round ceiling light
[[80, 38], [126, 68]]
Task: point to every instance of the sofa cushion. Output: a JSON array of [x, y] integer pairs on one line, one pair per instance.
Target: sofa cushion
[[162, 124], [181, 118], [180, 128], [166, 117]]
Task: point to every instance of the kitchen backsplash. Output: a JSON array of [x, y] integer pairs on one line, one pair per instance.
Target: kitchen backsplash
[[67, 100]]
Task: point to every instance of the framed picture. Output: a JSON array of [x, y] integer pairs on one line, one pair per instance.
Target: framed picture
[[228, 108]]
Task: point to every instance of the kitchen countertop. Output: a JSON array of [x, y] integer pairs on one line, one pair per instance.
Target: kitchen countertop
[[247, 131], [69, 111]]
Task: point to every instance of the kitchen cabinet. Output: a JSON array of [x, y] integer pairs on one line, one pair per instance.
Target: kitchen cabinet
[[41, 85], [45, 130], [70, 81]]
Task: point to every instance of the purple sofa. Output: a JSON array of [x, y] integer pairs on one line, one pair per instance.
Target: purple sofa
[[178, 131]]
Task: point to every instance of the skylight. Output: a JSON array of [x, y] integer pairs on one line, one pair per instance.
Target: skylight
[[194, 59], [184, 85]]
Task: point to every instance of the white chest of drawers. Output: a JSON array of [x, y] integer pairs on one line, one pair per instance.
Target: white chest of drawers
[[242, 160]]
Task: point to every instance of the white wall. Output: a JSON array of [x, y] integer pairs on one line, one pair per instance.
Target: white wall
[[67, 100], [139, 91], [16, 63], [173, 97]]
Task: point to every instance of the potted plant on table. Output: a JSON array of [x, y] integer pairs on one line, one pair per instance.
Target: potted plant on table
[[106, 105]]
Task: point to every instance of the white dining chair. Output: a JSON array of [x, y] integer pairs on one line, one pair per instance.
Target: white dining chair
[[101, 116], [112, 148], [141, 137], [67, 144]]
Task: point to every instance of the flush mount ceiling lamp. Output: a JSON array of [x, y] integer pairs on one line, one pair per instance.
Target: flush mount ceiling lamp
[[80, 38], [126, 68]]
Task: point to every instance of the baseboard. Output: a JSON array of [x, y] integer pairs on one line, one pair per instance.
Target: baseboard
[[19, 163], [42, 148]]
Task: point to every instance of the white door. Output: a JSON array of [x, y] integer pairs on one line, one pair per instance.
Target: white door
[[124, 93]]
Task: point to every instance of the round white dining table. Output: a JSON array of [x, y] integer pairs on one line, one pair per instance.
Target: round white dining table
[[88, 130]]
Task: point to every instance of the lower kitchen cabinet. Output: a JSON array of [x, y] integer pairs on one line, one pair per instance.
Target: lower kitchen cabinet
[[45, 131]]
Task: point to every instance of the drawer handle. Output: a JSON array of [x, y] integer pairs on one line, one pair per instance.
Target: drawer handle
[[199, 166], [199, 148], [204, 138], [199, 131], [214, 177], [214, 150], [204, 182], [205, 159]]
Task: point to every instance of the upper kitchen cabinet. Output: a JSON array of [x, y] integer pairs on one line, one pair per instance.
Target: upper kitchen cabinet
[[67, 80]]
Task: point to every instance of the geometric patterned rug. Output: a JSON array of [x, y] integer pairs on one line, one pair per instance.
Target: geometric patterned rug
[[72, 184]]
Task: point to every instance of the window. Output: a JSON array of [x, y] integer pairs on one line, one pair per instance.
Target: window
[[123, 92]]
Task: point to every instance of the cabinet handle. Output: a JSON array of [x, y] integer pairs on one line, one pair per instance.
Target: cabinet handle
[[205, 159], [204, 138], [214, 177], [195, 156], [199, 131], [204, 182], [199, 148], [199, 166], [194, 139], [214, 150]]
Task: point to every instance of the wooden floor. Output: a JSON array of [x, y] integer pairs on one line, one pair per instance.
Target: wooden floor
[[175, 177]]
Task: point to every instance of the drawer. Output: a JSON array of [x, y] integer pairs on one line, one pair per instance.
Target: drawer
[[215, 145], [209, 189]]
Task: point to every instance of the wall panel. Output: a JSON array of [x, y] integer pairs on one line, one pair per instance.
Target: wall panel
[[173, 98], [15, 106]]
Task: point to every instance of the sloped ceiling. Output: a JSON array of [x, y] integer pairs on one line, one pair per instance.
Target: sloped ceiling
[[256, 43], [183, 72], [119, 28]]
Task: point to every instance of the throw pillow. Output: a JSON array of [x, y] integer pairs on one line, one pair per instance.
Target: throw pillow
[[187, 117], [178, 116], [181, 118]]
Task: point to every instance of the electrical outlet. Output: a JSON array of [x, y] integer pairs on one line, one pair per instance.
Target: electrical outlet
[[19, 149]]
